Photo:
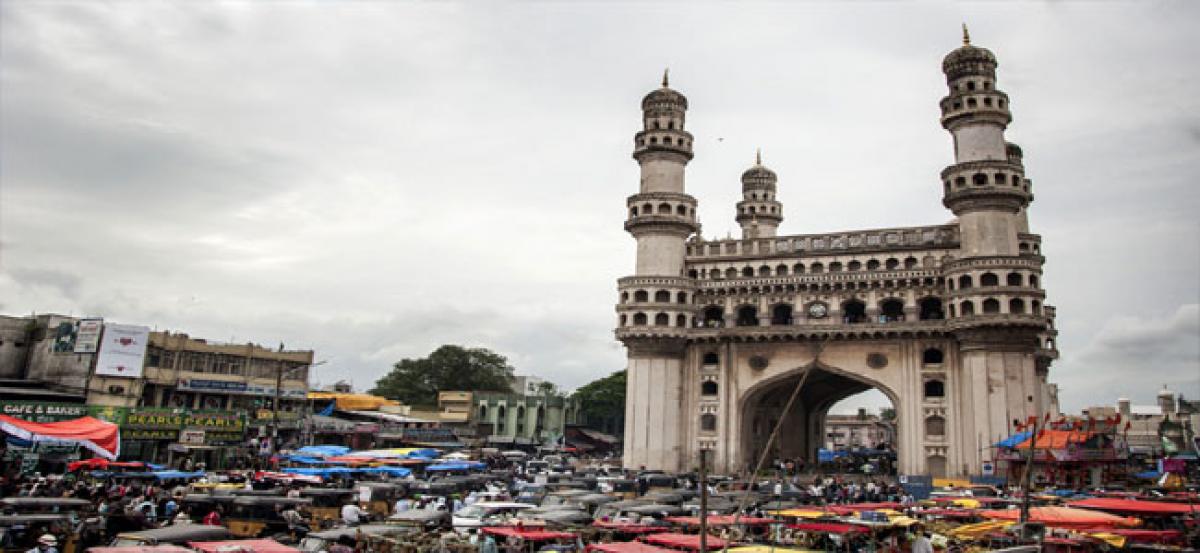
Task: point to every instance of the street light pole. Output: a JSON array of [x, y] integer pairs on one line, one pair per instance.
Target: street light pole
[[274, 433]]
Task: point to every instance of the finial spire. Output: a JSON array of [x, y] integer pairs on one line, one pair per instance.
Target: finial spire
[[758, 156], [966, 35], [666, 83]]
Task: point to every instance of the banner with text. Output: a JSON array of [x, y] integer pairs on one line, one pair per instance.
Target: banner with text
[[122, 351], [87, 335]]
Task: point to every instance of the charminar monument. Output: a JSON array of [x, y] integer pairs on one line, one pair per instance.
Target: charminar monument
[[948, 321]]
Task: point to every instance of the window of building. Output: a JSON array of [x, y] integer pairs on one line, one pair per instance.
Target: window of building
[[662, 319], [935, 426], [747, 315], [989, 279], [781, 314], [932, 356], [714, 316], [931, 309], [891, 310], [854, 311], [935, 388], [991, 305], [711, 358], [662, 296], [708, 422], [708, 388]]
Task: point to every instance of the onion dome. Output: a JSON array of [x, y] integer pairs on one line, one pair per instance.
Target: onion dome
[[968, 60], [665, 98], [758, 177]]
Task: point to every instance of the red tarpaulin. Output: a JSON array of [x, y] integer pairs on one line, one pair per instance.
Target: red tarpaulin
[[686, 541], [1134, 506], [102, 464], [235, 546], [102, 438], [629, 527], [831, 527], [627, 547], [949, 513], [141, 549], [1065, 517], [721, 520], [527, 533]]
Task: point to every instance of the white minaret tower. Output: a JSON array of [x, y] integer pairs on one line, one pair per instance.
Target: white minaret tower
[[655, 308], [759, 213], [995, 301]]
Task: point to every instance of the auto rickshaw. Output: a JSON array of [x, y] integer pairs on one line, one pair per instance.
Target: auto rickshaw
[[364, 535], [258, 516], [178, 534], [382, 496], [38, 505], [421, 519], [198, 505], [19, 533], [327, 503]]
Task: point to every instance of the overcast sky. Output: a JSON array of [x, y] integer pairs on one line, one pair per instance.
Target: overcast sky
[[374, 179]]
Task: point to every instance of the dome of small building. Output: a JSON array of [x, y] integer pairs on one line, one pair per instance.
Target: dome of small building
[[1165, 393], [759, 176], [1012, 150]]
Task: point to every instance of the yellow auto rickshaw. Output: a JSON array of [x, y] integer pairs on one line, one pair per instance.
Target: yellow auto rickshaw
[[383, 496], [327, 503], [259, 516]]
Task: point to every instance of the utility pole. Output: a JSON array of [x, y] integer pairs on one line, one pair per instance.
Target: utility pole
[[1028, 483], [703, 500], [274, 434]]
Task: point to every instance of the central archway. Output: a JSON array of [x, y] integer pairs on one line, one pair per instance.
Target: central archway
[[802, 433]]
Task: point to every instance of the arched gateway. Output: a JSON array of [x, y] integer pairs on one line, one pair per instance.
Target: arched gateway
[[948, 321]]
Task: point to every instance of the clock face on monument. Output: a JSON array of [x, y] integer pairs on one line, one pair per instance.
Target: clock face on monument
[[817, 310]]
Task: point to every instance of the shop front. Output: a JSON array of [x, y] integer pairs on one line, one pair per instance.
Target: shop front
[[175, 436], [48, 457]]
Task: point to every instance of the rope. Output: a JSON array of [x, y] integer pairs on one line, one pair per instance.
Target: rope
[[762, 458]]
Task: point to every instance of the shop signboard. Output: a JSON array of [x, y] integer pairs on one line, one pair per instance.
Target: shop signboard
[[191, 436], [41, 411], [87, 336], [135, 434], [122, 351], [168, 422], [239, 387]]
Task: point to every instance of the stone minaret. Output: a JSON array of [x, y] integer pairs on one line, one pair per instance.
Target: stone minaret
[[993, 289], [759, 213], [655, 308]]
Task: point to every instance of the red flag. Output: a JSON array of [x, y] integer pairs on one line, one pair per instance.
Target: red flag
[[1032, 420], [1118, 420], [1127, 425], [1047, 417]]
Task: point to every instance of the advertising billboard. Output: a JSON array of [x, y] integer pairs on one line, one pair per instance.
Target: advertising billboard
[[122, 350], [87, 335]]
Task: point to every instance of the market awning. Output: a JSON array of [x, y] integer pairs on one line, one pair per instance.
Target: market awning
[[1065, 517], [686, 541], [629, 527], [528, 534], [1056, 439], [102, 438], [239, 546], [830, 527], [627, 547], [1134, 506]]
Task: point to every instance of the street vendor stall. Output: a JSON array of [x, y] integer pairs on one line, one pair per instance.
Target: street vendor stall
[[100, 437]]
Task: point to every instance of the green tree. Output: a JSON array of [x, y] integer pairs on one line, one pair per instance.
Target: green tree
[[448, 368], [602, 403]]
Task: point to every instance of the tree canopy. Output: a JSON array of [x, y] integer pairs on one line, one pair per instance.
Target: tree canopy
[[448, 368], [602, 403]]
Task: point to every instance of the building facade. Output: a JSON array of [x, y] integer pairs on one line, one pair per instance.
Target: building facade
[[522, 419], [857, 431], [949, 321]]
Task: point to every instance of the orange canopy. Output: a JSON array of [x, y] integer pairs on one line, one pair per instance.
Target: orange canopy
[[1057, 439], [1065, 517]]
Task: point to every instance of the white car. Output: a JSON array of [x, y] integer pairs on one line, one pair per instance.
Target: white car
[[486, 513]]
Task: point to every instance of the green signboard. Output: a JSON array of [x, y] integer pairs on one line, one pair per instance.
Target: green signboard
[[166, 419]]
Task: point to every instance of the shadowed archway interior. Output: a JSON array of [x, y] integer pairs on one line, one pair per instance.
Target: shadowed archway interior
[[802, 432]]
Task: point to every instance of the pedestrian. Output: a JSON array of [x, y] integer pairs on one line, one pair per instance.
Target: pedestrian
[[352, 514], [213, 518], [921, 543], [45, 544]]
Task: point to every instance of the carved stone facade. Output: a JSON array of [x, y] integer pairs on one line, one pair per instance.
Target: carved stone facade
[[949, 321]]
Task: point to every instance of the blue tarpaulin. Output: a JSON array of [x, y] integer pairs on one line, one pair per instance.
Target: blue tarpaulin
[[827, 456], [390, 471], [456, 466], [303, 459], [323, 472], [323, 450], [1014, 440], [1148, 475]]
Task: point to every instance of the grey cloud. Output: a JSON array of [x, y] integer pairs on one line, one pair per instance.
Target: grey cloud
[[372, 180]]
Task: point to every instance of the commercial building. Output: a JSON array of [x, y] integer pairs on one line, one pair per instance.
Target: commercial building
[[522, 419], [172, 394], [857, 431]]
